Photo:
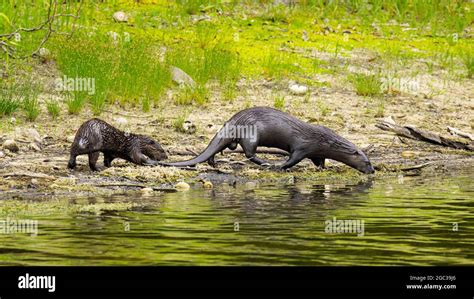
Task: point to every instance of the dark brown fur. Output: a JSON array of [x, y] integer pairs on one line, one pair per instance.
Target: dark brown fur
[[95, 136], [278, 129]]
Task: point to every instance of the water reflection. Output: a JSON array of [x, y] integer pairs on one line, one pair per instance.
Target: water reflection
[[408, 221]]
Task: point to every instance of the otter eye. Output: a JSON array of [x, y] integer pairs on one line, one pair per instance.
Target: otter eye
[[151, 142]]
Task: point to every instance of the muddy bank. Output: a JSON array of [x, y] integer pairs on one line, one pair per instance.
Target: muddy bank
[[42, 174]]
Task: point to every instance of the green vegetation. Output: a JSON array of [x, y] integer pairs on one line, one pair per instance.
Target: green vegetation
[[279, 102], [9, 98], [218, 43], [366, 85], [178, 123], [53, 108]]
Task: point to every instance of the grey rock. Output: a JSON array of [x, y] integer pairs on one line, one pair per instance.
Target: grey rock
[[11, 145], [181, 78]]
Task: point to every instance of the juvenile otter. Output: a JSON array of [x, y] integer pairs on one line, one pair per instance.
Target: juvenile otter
[[96, 136], [263, 126]]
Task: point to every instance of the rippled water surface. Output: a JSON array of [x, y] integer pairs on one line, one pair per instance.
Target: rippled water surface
[[409, 221]]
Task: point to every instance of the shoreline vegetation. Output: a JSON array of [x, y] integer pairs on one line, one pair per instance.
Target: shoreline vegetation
[[177, 70]]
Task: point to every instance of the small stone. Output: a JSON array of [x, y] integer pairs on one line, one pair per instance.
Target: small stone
[[121, 121], [11, 145], [208, 185], [147, 191], [34, 181], [408, 154], [298, 89], [13, 120], [120, 16], [54, 186], [34, 146], [2, 154], [305, 36], [291, 180], [70, 138], [250, 185], [181, 78], [182, 186], [44, 53], [34, 135], [189, 127]]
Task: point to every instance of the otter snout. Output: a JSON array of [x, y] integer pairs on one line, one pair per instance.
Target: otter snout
[[369, 169]]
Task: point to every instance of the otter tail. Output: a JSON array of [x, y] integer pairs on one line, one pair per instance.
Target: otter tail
[[216, 145]]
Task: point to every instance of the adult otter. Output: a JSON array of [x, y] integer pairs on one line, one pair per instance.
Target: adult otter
[[96, 136], [274, 128]]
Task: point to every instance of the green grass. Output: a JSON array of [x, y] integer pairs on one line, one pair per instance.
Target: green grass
[[10, 98], [366, 85], [130, 71], [468, 60], [53, 108], [279, 102], [74, 104], [178, 122], [323, 108], [189, 95]]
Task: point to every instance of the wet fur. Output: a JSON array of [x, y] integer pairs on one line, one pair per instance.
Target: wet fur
[[95, 136], [281, 130]]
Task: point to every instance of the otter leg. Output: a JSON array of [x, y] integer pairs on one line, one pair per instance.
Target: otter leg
[[250, 148], [294, 159], [319, 162], [108, 158], [211, 161], [232, 146], [72, 161], [93, 157]]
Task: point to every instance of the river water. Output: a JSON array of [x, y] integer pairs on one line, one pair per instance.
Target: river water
[[425, 220]]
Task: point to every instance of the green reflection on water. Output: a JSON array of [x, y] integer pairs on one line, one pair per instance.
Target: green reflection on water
[[407, 221]]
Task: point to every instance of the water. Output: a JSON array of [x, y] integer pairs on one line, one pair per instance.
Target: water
[[409, 221]]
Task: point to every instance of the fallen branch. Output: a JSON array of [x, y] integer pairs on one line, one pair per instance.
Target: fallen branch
[[456, 132], [28, 174], [419, 166], [421, 135], [135, 185]]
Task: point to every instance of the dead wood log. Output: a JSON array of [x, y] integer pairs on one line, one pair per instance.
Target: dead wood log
[[421, 135], [457, 132], [29, 175]]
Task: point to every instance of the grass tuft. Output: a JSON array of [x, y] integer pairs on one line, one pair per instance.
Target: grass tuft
[[366, 85]]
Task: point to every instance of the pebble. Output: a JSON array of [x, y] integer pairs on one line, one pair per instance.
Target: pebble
[[120, 16], [181, 78], [182, 186], [34, 146], [297, 89], [121, 121], [208, 185], [147, 191], [34, 135], [11, 145], [189, 127], [2, 154], [250, 185], [70, 138], [408, 154]]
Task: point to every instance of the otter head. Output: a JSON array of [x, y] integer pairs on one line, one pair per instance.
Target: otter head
[[152, 149], [342, 150], [359, 161]]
